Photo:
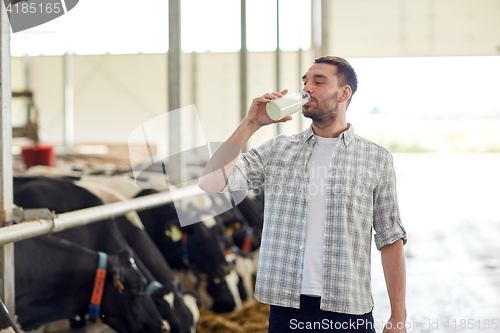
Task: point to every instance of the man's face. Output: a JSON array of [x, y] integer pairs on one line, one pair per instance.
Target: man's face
[[321, 82]]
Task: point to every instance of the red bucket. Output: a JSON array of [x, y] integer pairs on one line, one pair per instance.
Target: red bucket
[[39, 154]]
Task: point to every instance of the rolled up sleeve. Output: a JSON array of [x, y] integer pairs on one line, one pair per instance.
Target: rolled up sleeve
[[386, 217]]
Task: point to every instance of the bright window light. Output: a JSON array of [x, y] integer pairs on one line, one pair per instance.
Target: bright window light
[[124, 27], [295, 25], [210, 25], [99, 27], [47, 39], [119, 27], [261, 25], [427, 86]]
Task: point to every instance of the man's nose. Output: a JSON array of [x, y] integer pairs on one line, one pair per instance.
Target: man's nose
[[307, 88]]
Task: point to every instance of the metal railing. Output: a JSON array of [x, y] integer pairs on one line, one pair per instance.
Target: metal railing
[[25, 230]]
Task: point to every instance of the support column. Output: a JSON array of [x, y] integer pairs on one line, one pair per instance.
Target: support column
[[278, 56], [325, 24], [243, 62], [69, 110], [7, 287], [175, 87], [316, 27], [300, 85]]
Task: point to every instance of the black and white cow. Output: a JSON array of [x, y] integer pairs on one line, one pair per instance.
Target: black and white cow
[[133, 231], [205, 247], [243, 222], [202, 246], [55, 280], [62, 196], [243, 225], [198, 246]]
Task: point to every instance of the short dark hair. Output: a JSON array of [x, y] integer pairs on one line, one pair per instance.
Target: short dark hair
[[345, 72]]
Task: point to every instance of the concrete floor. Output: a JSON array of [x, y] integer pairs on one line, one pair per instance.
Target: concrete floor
[[451, 210]]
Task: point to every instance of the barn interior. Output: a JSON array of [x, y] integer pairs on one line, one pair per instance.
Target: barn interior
[[147, 92]]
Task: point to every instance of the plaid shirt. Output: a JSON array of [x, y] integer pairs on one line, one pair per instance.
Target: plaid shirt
[[361, 194]]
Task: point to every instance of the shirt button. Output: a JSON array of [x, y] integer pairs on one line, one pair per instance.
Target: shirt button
[[301, 247]]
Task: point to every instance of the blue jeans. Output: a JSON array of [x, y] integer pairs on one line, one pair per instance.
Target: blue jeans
[[309, 318]]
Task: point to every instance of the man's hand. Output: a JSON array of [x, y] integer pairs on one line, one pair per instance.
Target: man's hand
[[395, 325], [257, 114], [211, 180]]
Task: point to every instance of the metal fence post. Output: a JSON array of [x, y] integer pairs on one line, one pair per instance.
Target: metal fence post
[[7, 288], [243, 62], [175, 92], [277, 56]]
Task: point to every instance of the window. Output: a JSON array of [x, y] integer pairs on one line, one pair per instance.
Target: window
[[128, 27]]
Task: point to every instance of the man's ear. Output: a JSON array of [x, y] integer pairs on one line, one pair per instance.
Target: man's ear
[[346, 94]]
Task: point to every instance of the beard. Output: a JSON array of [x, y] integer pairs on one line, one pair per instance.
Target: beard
[[322, 113]]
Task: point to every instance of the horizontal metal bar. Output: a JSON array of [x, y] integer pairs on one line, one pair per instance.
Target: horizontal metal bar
[[24, 231], [85, 216]]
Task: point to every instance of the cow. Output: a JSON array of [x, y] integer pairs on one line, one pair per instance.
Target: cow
[[132, 229], [200, 247], [243, 225], [243, 222], [205, 245], [63, 196], [54, 280], [211, 232]]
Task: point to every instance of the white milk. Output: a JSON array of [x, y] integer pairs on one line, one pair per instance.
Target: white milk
[[282, 107]]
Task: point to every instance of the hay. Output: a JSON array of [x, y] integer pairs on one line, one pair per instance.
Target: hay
[[252, 318]]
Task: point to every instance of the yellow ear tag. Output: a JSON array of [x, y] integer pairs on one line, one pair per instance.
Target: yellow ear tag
[[118, 284], [174, 233]]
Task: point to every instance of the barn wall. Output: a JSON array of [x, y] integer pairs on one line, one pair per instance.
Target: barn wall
[[116, 93], [400, 28]]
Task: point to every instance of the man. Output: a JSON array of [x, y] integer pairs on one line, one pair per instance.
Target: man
[[325, 188]]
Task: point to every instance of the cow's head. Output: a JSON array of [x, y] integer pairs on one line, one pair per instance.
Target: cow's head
[[206, 246], [170, 303], [224, 296], [126, 307], [243, 223]]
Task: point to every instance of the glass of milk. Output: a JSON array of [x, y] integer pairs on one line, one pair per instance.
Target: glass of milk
[[288, 104]]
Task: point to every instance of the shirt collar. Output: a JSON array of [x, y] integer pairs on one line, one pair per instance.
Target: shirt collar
[[346, 137]]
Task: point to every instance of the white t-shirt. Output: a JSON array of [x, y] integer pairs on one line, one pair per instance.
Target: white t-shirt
[[315, 230]]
